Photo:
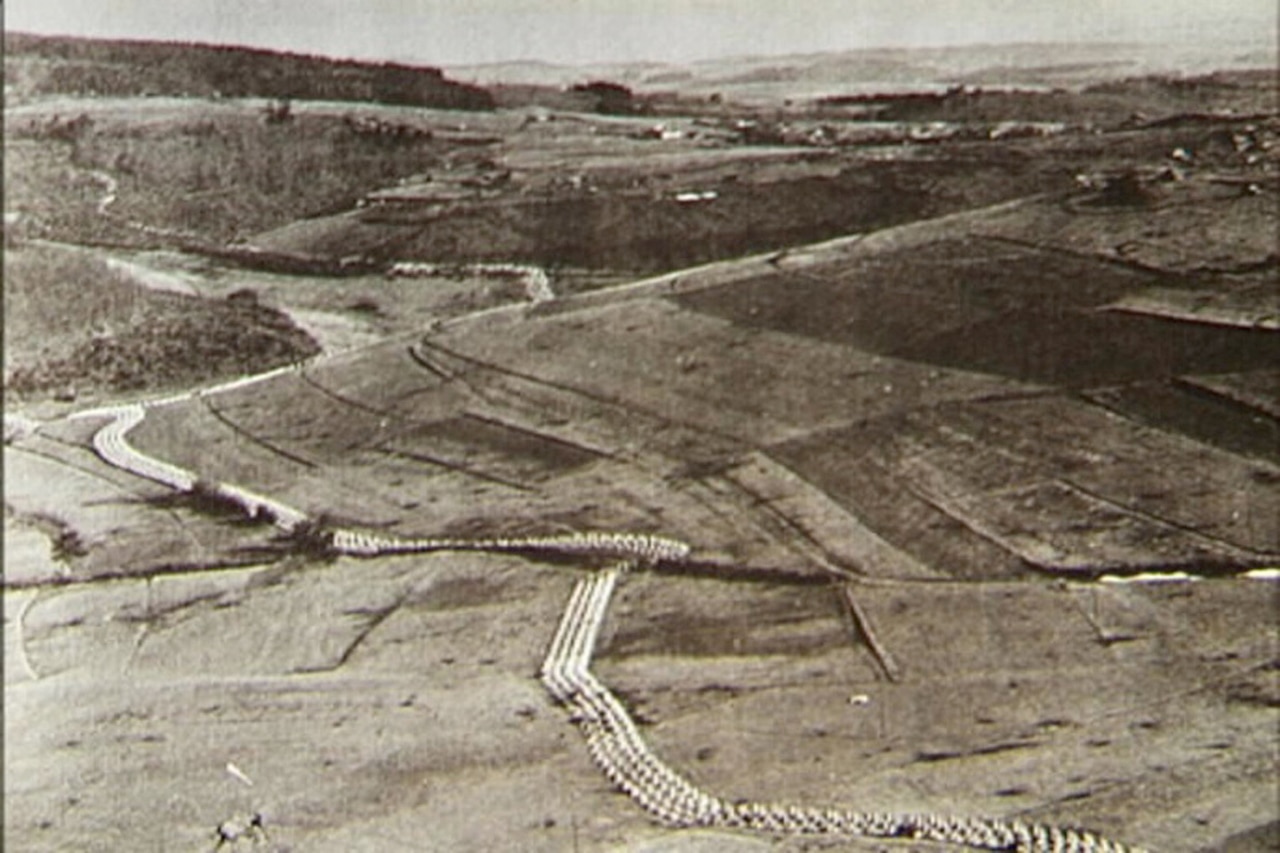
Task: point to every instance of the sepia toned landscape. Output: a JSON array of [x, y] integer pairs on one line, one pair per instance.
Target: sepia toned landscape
[[863, 451]]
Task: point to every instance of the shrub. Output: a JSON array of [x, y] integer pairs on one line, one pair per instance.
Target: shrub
[[245, 296], [313, 538], [207, 496], [1123, 190], [365, 305], [68, 544], [278, 112]]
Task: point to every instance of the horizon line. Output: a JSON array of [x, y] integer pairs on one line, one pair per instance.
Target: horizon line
[[1257, 42]]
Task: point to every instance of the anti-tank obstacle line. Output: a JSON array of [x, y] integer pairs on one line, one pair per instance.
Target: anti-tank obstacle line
[[111, 444], [613, 739], [552, 667], [643, 548], [616, 746]]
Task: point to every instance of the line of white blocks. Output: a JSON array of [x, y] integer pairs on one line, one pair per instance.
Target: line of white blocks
[[112, 446], [612, 738], [643, 547], [617, 748], [614, 742]]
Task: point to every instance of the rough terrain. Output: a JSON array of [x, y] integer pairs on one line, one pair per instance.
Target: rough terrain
[[922, 470]]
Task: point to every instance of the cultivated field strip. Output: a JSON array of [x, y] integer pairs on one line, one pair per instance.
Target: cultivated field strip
[[613, 739]]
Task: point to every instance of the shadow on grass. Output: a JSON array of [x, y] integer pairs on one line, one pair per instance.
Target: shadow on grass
[[205, 498]]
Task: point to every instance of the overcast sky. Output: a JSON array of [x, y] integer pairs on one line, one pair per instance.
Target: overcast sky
[[578, 31]]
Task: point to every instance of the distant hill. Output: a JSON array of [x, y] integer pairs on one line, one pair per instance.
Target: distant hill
[[50, 65], [884, 70]]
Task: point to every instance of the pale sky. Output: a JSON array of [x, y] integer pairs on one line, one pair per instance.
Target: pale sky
[[444, 32]]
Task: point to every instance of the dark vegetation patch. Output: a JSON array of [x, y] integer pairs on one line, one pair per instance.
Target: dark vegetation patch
[[1206, 417], [991, 308], [44, 65], [65, 542], [73, 322], [311, 538], [207, 498], [643, 234], [608, 98]]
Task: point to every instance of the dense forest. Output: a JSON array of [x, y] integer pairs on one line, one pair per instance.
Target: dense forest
[[42, 65]]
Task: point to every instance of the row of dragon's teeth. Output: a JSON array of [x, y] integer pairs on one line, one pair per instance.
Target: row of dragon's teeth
[[612, 737], [618, 749]]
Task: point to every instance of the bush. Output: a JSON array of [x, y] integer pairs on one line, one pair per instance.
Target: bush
[[278, 112], [65, 541], [312, 538], [68, 545], [611, 98], [206, 496], [1124, 190], [365, 305], [245, 296]]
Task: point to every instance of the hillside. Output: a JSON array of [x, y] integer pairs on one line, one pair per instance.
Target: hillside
[[556, 183], [78, 327], [813, 467], [774, 79], [40, 66], [641, 195], [189, 172], [959, 425]]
